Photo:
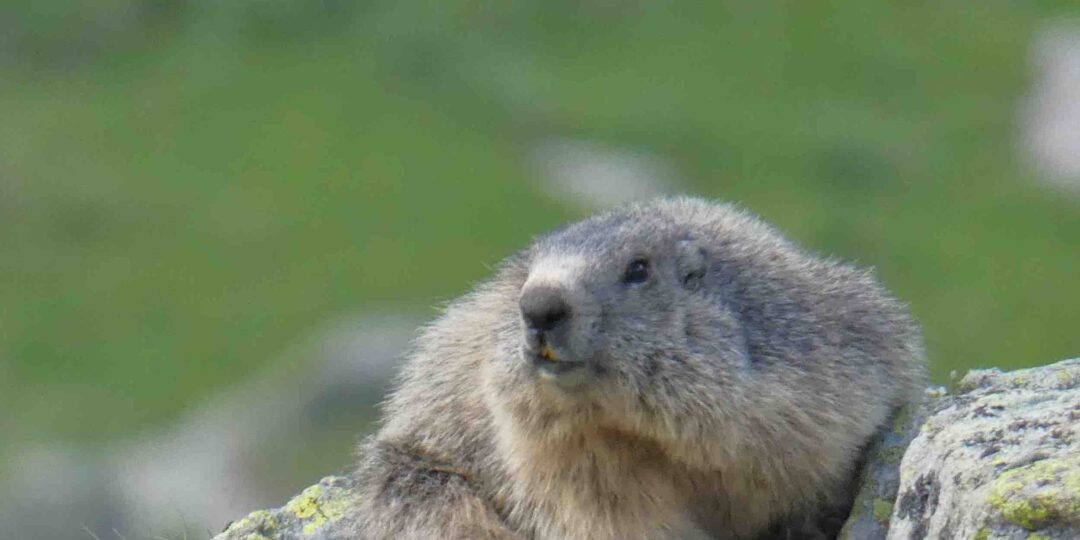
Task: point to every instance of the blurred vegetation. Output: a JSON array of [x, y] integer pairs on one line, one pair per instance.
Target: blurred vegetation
[[187, 186]]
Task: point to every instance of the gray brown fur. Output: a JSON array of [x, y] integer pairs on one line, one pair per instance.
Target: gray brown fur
[[728, 396]]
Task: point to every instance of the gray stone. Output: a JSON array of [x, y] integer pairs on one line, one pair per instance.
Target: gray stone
[[220, 460], [204, 468], [1000, 459], [320, 512], [1051, 111], [594, 175]]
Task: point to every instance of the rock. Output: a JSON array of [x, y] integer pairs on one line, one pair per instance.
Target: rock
[[1051, 111], [245, 447], [322, 512], [53, 491], [1000, 459], [594, 175], [205, 468], [997, 459]]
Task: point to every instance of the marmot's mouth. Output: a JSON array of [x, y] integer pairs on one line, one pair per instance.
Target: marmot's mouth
[[549, 364]]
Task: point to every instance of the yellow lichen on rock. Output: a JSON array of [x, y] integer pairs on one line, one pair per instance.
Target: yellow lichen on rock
[[314, 513], [1036, 494], [258, 520], [883, 510], [305, 504], [335, 508]]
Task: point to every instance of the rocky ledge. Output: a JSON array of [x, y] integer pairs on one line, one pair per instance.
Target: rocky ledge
[[996, 459]]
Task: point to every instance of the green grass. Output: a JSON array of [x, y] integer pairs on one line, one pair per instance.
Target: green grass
[[181, 203]]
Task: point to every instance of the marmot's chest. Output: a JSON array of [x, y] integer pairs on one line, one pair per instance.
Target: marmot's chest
[[623, 487]]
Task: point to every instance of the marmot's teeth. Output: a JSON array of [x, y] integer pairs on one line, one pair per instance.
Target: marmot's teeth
[[547, 354]]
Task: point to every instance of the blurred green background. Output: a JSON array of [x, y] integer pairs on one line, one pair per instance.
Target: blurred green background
[[187, 186]]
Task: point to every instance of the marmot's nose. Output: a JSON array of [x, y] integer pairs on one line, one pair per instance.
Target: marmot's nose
[[544, 309]]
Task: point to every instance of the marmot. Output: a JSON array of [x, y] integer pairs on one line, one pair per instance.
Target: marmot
[[671, 369]]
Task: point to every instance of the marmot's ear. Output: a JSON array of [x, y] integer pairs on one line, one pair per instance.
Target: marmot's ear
[[692, 262]]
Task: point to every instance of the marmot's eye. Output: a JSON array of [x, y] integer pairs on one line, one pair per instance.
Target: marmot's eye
[[637, 271]]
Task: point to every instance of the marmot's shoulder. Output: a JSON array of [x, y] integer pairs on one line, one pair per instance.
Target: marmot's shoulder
[[438, 393]]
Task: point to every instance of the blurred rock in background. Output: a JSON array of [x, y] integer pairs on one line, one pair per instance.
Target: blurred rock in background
[[594, 175], [1052, 113], [237, 452]]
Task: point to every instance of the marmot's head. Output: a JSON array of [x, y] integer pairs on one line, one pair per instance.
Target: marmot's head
[[621, 318], [602, 295]]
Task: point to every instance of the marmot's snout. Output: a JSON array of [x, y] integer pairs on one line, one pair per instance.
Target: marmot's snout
[[548, 322], [546, 313]]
